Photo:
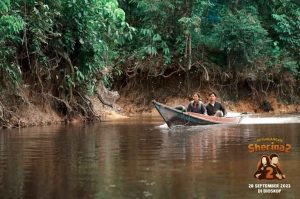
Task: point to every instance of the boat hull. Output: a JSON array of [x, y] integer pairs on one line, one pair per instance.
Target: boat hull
[[174, 117]]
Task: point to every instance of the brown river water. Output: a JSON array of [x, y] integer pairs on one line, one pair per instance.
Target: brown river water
[[140, 158]]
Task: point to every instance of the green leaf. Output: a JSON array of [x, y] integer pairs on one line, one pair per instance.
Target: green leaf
[[156, 37]]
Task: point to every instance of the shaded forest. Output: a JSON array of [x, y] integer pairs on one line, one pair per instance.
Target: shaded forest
[[58, 52]]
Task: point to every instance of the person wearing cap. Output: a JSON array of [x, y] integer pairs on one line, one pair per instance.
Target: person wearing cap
[[196, 105], [213, 107]]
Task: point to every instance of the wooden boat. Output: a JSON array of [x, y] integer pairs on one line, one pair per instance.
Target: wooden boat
[[174, 117]]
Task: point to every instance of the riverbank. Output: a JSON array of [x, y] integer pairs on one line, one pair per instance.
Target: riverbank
[[44, 114], [132, 103], [28, 108], [132, 109]]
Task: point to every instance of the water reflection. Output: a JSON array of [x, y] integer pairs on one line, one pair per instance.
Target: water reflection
[[131, 159]]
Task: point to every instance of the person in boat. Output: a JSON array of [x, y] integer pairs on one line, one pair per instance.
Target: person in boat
[[213, 107], [196, 105]]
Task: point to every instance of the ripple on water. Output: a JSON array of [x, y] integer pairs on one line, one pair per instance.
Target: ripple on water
[[138, 160]]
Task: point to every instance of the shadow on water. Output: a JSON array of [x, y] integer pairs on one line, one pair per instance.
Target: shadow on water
[[136, 158]]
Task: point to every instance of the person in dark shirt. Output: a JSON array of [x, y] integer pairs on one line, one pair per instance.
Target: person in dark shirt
[[213, 107], [276, 173], [196, 105], [262, 168]]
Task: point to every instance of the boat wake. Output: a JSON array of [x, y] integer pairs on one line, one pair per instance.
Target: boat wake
[[270, 120], [163, 126], [266, 119], [179, 128]]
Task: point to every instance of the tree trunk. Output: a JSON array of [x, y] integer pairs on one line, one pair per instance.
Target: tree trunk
[[189, 45]]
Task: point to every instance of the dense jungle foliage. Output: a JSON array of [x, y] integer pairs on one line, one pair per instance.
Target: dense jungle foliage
[[228, 43], [60, 49]]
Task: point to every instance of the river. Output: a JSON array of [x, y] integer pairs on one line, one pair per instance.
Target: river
[[137, 158]]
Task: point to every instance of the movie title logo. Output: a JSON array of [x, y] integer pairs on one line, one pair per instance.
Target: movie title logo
[[268, 165], [269, 144]]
